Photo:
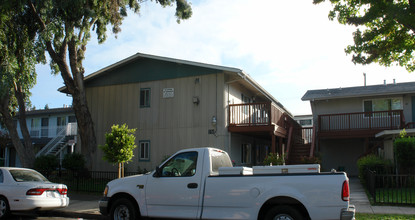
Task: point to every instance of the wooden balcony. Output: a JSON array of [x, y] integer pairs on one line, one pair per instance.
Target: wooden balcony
[[257, 118], [359, 124]]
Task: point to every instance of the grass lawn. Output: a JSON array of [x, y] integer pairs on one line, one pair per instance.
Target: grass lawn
[[361, 216]]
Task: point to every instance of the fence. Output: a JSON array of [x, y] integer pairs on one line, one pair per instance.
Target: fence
[[84, 181], [391, 189]]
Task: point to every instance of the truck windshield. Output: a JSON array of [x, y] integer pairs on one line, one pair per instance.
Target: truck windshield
[[219, 159]]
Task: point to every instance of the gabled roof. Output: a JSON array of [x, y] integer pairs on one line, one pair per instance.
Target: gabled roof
[[360, 91], [167, 59], [105, 75]]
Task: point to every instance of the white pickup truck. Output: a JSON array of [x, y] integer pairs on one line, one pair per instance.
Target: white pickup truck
[[200, 183]]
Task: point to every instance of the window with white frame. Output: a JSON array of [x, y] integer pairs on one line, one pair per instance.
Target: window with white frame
[[144, 150], [35, 128]]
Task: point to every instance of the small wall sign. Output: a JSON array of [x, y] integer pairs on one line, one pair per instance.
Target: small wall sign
[[168, 93]]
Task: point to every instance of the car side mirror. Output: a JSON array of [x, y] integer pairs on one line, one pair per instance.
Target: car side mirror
[[158, 172]]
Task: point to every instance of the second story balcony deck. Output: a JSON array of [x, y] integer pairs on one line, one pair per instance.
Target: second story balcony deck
[[359, 124], [257, 118]]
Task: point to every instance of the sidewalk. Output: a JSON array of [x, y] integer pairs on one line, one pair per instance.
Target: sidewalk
[[359, 199]]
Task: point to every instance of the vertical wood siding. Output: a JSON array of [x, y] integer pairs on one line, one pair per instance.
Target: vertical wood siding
[[170, 123]]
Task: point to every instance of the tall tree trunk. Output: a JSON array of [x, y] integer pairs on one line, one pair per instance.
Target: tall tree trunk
[[73, 77], [20, 96], [26, 159], [85, 127]]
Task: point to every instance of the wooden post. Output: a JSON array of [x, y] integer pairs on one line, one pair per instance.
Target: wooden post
[[273, 143]]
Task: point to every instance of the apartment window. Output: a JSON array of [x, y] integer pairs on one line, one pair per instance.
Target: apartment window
[[71, 119], [305, 122], [45, 127], [60, 124], [246, 153], [382, 104], [145, 97], [35, 128], [144, 150]]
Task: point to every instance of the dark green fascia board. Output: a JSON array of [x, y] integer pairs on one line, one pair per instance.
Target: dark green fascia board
[[145, 70]]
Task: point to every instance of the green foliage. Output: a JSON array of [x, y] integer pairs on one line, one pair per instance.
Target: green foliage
[[311, 160], [364, 216], [46, 163], [402, 133], [119, 144], [274, 159], [371, 162], [404, 148], [74, 162], [387, 35]]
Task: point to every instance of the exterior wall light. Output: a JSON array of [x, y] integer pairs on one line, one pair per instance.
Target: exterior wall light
[[213, 120]]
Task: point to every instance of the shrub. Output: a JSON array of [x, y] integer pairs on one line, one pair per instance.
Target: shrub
[[74, 162], [46, 164], [274, 159], [373, 163], [404, 148], [311, 160]]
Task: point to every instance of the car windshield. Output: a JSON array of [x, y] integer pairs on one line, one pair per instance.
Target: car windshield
[[27, 176]]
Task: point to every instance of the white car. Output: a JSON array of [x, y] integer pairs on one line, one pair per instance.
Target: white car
[[24, 189]]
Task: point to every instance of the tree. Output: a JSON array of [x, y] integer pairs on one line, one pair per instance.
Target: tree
[[19, 53], [388, 30], [119, 146], [65, 29]]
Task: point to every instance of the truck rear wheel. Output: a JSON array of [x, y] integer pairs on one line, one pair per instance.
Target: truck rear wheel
[[123, 209], [283, 213]]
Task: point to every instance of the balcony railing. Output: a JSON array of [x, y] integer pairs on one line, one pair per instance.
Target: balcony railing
[[52, 131], [361, 121], [255, 114]]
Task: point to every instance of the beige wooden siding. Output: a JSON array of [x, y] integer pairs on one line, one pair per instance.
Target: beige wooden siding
[[170, 124]]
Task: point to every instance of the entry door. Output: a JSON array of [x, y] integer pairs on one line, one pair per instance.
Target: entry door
[[176, 191]]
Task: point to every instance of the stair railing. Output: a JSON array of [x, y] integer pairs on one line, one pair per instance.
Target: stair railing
[[52, 143], [69, 130]]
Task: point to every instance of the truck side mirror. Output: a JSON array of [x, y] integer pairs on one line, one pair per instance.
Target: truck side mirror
[[157, 173]]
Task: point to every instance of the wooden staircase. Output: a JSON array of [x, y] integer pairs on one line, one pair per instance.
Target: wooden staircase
[[301, 145], [298, 152]]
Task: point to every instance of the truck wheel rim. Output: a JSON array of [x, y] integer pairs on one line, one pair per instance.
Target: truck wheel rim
[[283, 217], [122, 213]]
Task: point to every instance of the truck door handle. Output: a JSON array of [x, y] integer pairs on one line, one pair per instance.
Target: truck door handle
[[192, 185]]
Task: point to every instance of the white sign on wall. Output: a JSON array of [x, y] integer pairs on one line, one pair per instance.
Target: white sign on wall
[[168, 93]]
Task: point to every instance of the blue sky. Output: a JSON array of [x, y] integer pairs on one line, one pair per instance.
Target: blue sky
[[288, 47]]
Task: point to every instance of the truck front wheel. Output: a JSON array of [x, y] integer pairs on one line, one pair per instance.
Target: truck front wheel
[[123, 209], [283, 213]]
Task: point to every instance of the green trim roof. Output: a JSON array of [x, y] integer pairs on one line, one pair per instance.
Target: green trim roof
[[145, 67]]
